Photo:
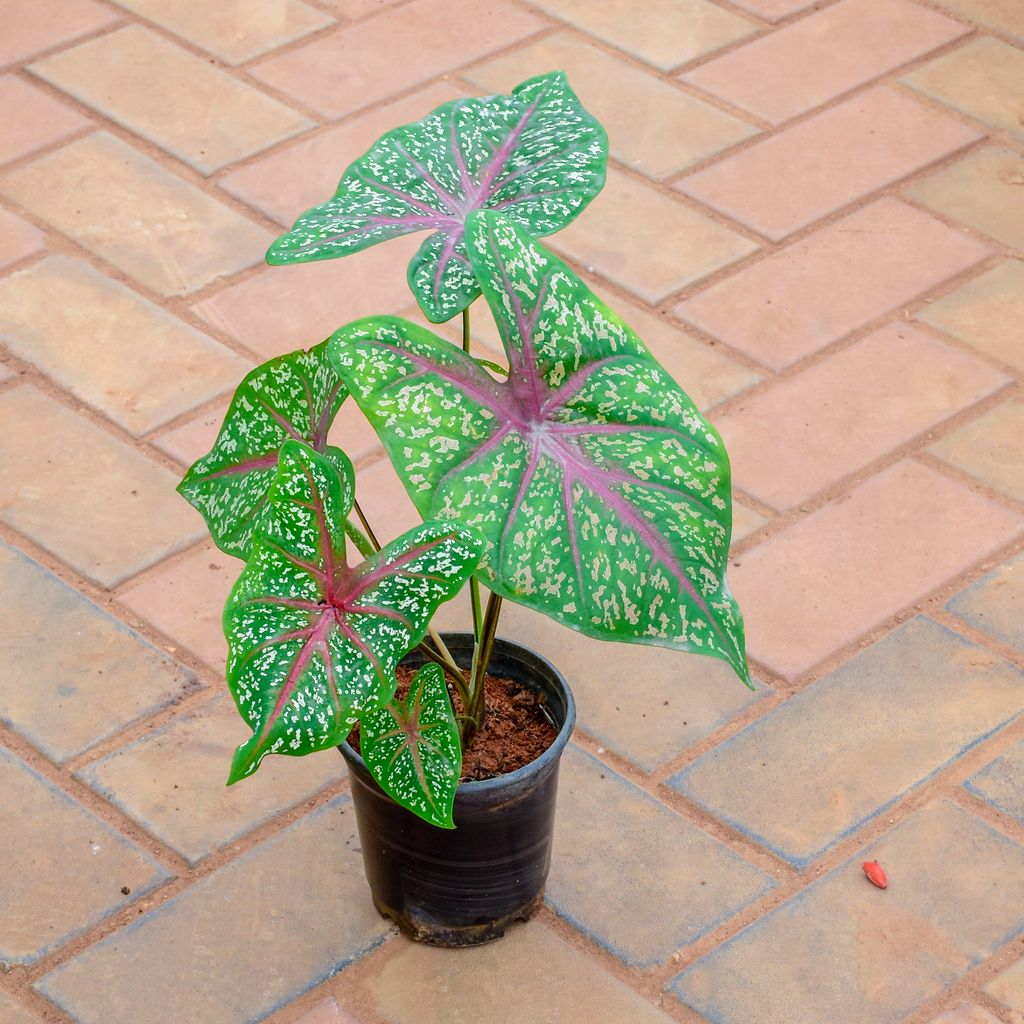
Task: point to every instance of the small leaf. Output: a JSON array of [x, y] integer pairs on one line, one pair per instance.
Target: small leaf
[[412, 749], [294, 396], [536, 155], [602, 493], [313, 641]]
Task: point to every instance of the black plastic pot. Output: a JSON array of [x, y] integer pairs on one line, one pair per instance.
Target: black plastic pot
[[466, 886]]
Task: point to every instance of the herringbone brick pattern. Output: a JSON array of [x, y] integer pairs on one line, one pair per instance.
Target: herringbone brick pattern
[[815, 218]]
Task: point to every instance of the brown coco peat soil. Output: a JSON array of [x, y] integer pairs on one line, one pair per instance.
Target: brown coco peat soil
[[515, 730]]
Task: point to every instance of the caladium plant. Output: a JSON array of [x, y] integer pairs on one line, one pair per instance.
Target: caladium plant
[[580, 480], [536, 155]]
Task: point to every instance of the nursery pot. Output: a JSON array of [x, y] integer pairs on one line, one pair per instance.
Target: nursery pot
[[465, 886]]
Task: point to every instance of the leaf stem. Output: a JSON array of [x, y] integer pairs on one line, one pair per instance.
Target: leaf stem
[[366, 525], [474, 597], [361, 541], [481, 658], [474, 586]]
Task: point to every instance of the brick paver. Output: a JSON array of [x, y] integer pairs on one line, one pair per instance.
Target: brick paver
[[877, 973], [818, 767], [18, 239], [806, 296], [813, 219], [280, 309], [42, 120], [660, 883], [165, 597], [995, 603], [663, 33], [966, 1013], [671, 247], [44, 24], [982, 191], [554, 980], [73, 866], [814, 168], [161, 92], [318, 924], [987, 449], [12, 1013], [809, 432], [234, 32], [1008, 987], [1001, 783], [196, 813], [119, 513], [853, 563], [98, 677], [985, 313], [362, 63], [984, 80], [137, 214], [1001, 15], [176, 369], [839, 48]]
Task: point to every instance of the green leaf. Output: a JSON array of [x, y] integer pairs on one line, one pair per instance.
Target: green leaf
[[313, 641], [602, 492], [412, 749], [537, 155], [294, 396]]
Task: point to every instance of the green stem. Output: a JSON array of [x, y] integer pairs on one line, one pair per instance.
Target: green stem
[[366, 526], [361, 541], [474, 597], [474, 586], [481, 658]]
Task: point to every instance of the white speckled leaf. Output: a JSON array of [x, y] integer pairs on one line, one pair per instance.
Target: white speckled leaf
[[313, 641], [412, 748], [294, 396], [536, 155], [603, 494]]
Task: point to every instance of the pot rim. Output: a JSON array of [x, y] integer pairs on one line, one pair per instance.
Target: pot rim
[[538, 764]]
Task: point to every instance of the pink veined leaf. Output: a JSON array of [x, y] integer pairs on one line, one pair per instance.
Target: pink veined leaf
[[314, 641], [412, 748], [294, 397], [537, 155], [601, 491]]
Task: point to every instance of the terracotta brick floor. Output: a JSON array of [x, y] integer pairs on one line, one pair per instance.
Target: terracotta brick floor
[[815, 217]]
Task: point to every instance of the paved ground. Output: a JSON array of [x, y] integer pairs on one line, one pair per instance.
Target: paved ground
[[815, 217]]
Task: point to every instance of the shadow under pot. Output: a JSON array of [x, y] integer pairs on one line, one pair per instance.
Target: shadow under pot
[[465, 886]]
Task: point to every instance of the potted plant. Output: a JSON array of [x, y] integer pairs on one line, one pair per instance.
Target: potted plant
[[578, 480]]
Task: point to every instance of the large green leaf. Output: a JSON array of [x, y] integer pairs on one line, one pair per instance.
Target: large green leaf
[[537, 155], [312, 640], [294, 396], [602, 492], [412, 748]]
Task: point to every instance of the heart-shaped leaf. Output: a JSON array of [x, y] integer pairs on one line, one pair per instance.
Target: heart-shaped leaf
[[294, 396], [537, 155], [313, 641], [602, 492], [412, 748]]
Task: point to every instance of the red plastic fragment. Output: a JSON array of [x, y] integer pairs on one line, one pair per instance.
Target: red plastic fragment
[[876, 876]]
